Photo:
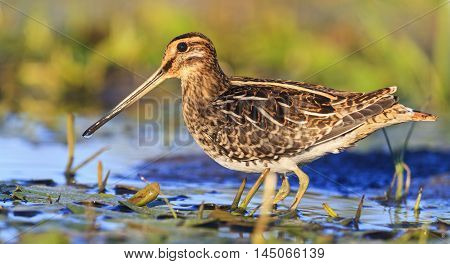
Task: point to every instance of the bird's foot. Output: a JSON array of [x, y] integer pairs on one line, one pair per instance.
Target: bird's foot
[[242, 208], [304, 182]]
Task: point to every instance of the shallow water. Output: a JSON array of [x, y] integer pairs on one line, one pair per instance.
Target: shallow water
[[189, 178]]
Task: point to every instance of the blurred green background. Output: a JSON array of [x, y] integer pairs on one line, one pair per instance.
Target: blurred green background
[[84, 56]]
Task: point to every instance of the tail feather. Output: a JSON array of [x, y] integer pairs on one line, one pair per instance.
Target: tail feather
[[421, 116], [396, 114], [365, 100], [399, 113]]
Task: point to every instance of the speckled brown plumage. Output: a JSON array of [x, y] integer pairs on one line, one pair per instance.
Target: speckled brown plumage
[[247, 119], [258, 121], [252, 124]]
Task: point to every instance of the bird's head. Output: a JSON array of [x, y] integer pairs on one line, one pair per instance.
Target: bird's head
[[185, 55]]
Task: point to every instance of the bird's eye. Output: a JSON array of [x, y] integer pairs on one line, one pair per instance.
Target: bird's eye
[[182, 47]]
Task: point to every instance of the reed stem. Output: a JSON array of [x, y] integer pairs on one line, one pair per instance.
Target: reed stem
[[418, 199], [70, 137], [266, 209]]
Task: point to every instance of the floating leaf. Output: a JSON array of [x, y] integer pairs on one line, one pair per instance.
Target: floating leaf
[[137, 209], [146, 195], [153, 212], [224, 216], [64, 194]]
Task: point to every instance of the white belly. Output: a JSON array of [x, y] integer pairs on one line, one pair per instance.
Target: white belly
[[281, 165], [288, 164]]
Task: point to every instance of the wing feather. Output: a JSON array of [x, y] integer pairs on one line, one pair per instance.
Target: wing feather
[[273, 118]]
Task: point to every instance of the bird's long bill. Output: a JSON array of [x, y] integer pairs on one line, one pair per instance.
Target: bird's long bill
[[143, 89]]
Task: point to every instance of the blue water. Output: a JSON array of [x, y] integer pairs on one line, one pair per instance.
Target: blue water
[[188, 177]]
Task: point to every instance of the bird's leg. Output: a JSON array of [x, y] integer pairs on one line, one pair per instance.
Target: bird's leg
[[237, 198], [284, 190], [303, 185], [253, 190]]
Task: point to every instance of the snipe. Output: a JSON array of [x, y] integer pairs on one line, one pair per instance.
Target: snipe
[[250, 124]]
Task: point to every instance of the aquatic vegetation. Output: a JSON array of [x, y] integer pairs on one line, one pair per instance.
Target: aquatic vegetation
[[358, 212], [70, 143], [201, 208], [146, 195], [401, 168], [330, 211], [401, 182], [127, 213], [81, 215], [419, 197], [169, 205], [71, 170], [47, 237], [270, 184], [101, 183], [349, 221], [174, 210]]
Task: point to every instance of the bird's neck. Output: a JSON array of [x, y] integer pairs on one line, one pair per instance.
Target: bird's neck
[[204, 84], [199, 89]]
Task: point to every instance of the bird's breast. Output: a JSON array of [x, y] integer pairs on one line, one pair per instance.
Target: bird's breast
[[200, 122]]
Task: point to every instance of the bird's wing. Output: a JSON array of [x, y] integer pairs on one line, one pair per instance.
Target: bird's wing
[[262, 115]]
